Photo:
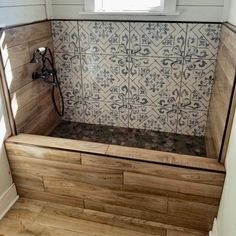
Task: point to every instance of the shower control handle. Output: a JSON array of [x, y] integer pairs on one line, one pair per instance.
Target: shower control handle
[[42, 75], [36, 75]]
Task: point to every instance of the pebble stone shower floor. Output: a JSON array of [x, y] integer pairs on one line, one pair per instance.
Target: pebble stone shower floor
[[139, 138]]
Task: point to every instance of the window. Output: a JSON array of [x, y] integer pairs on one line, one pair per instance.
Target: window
[[128, 6], [131, 6]]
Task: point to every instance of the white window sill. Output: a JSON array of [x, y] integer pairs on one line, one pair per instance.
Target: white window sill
[[145, 16]]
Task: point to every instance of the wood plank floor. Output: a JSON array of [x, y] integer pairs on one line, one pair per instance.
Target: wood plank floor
[[31, 218]]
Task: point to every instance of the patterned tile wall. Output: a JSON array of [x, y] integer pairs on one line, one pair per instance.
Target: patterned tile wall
[[155, 76]]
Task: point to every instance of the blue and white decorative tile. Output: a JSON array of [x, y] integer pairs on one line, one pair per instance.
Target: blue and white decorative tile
[[103, 37], [68, 69], [157, 39], [197, 82], [203, 40], [73, 106], [155, 81], [69, 75], [192, 122], [153, 118], [106, 113], [105, 77], [65, 36], [155, 76]]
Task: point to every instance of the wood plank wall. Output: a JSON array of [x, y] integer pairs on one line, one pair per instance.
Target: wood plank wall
[[31, 102], [150, 191], [221, 95], [189, 10]]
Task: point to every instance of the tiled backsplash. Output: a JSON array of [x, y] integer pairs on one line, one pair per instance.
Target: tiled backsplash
[[155, 76]]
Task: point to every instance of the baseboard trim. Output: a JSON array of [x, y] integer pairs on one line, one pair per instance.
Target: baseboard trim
[[214, 231], [7, 200]]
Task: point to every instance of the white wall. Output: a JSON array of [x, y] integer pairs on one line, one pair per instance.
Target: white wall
[[7, 189], [5, 178], [232, 12], [227, 213], [190, 10], [13, 12], [225, 224]]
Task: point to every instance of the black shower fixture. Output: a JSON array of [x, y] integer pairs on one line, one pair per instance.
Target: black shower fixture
[[48, 73]]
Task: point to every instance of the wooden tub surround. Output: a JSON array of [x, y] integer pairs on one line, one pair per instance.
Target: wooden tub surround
[[159, 187], [74, 187]]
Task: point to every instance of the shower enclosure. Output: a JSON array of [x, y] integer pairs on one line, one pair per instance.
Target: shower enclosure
[[134, 139]]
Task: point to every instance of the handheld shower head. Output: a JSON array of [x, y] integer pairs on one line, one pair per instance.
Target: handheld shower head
[[39, 55]]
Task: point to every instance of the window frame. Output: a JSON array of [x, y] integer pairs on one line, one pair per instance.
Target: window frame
[[169, 8]]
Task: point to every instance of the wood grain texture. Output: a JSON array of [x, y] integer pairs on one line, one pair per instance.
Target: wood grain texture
[[164, 157], [59, 143], [114, 185], [52, 218], [111, 179], [32, 91], [153, 182], [40, 153], [50, 197], [26, 217], [221, 95], [31, 103], [170, 172], [30, 217], [154, 204], [191, 213], [43, 125], [30, 181], [20, 76], [37, 109], [135, 223], [25, 210], [23, 34], [120, 152], [193, 220]]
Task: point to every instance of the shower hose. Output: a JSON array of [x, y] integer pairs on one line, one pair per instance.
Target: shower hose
[[55, 82]]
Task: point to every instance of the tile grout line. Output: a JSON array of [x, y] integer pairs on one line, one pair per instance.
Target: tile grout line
[[129, 78], [81, 71], [182, 74]]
